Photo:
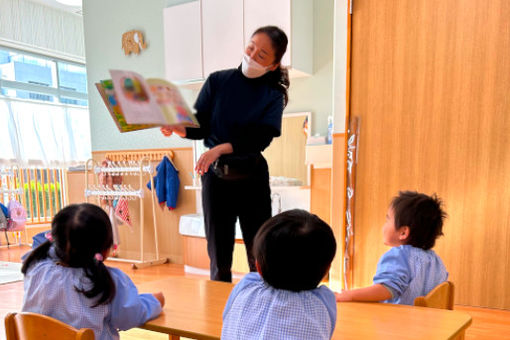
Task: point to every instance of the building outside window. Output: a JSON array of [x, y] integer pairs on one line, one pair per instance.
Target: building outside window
[[29, 76]]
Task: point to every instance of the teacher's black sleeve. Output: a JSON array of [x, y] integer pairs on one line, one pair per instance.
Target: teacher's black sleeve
[[257, 137], [254, 138], [204, 119]]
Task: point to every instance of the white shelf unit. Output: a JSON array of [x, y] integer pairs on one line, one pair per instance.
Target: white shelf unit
[[126, 168]]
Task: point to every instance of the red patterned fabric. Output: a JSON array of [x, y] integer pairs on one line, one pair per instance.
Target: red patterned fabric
[[122, 211]]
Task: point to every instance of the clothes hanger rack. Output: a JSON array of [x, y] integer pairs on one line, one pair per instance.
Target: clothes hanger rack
[[138, 168]]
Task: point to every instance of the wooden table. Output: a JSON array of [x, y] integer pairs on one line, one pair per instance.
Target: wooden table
[[194, 309]]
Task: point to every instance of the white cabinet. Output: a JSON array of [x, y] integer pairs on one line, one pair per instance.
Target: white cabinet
[[295, 18], [260, 13], [222, 34], [183, 42], [204, 36]]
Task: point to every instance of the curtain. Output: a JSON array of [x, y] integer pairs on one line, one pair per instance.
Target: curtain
[[43, 135], [36, 27]]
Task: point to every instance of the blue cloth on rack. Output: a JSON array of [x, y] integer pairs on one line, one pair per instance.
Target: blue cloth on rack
[[5, 211], [166, 183]]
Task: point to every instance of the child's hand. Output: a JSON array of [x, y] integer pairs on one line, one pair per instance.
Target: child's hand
[[343, 296], [159, 296]]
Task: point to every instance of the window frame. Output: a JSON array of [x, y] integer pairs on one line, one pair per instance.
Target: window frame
[[57, 92]]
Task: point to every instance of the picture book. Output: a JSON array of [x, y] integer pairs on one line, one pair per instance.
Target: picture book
[[136, 103], [105, 88]]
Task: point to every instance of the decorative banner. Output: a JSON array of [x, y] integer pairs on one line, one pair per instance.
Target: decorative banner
[[352, 160]]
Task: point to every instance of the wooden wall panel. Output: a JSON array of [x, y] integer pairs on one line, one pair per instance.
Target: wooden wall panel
[[195, 252], [240, 259], [430, 80], [286, 154], [170, 241], [320, 191], [75, 187]]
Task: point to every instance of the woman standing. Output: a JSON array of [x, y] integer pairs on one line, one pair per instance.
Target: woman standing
[[240, 112]]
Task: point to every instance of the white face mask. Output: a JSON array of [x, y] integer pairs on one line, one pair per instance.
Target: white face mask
[[252, 69]]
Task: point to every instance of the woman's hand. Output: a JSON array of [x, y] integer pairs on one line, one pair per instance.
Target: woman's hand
[[210, 156], [168, 130]]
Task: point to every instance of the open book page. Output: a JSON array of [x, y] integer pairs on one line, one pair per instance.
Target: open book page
[[172, 104], [135, 99], [105, 88]]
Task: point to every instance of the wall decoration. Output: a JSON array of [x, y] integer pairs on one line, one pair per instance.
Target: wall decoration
[[352, 161], [133, 42]]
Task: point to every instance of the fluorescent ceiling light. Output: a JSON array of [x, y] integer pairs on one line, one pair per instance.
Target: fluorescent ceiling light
[[70, 2]]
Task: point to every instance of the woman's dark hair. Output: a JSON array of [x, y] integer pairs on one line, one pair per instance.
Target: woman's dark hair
[[294, 250], [80, 231], [279, 77], [422, 214]]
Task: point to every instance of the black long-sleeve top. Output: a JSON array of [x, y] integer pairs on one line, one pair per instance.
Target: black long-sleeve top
[[242, 111]]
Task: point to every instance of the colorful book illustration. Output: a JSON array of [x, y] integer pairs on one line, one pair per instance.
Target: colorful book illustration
[[105, 88], [136, 103]]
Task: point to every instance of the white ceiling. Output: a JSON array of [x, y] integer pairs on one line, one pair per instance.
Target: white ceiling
[[55, 4]]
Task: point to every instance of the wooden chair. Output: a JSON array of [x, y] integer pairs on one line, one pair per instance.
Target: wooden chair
[[32, 326], [439, 297]]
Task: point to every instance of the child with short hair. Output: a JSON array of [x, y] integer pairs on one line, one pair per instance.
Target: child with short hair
[[66, 278], [410, 268], [293, 252]]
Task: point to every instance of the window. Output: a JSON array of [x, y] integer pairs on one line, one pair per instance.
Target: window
[[43, 111], [72, 77], [29, 76]]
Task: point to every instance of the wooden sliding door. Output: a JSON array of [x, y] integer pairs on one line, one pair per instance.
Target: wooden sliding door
[[430, 80]]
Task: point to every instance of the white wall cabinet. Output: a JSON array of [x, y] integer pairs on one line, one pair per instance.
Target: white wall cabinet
[[183, 42], [295, 18], [209, 35], [222, 34], [266, 12]]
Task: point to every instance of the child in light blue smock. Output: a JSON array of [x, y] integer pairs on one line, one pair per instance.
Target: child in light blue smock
[[410, 268], [66, 279], [293, 252]]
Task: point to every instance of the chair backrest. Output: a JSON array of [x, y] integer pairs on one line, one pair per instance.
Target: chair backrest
[[439, 297], [32, 326]]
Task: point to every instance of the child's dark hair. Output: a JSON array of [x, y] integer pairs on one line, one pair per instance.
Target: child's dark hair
[[79, 231], [294, 250], [422, 214], [279, 41]]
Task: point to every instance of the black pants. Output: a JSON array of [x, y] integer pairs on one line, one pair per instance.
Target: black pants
[[223, 201]]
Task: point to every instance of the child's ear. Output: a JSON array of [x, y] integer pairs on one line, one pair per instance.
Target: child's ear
[[403, 233]]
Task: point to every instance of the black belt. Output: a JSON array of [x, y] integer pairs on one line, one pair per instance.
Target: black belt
[[235, 167]]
